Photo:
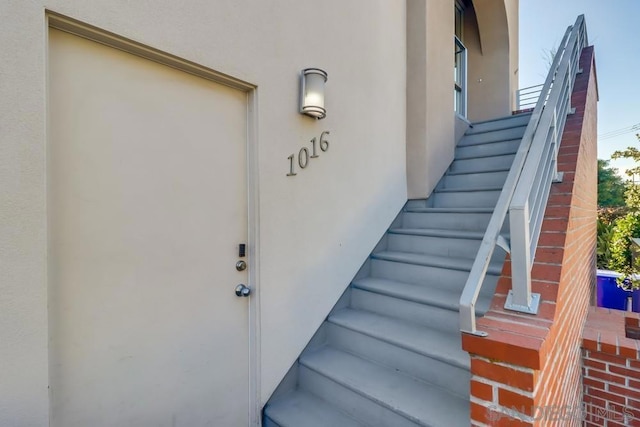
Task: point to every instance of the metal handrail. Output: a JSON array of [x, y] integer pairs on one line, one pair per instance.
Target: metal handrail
[[527, 97], [526, 189]]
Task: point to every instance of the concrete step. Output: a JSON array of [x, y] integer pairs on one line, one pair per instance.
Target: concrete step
[[299, 408], [488, 149], [428, 275], [500, 123], [446, 298], [470, 189], [472, 219], [443, 242], [482, 164], [439, 232], [446, 262], [455, 198], [427, 315], [467, 180], [377, 395], [504, 134], [404, 346], [396, 268], [437, 311], [415, 204]]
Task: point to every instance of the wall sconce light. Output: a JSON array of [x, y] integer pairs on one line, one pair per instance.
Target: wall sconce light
[[312, 81]]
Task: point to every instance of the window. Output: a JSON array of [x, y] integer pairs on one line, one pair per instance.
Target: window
[[460, 64]]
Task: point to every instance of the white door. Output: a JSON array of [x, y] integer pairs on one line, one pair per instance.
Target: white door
[[147, 206]]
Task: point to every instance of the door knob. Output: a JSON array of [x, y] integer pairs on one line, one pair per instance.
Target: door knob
[[242, 291]]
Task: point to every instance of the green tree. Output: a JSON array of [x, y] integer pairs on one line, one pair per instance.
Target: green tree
[[628, 226], [621, 252], [630, 153], [603, 244], [611, 187]]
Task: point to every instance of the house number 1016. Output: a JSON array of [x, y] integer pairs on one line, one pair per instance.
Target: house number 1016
[[303, 154]]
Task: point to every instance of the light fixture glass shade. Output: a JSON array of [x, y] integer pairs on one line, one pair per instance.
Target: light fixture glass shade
[[312, 82]]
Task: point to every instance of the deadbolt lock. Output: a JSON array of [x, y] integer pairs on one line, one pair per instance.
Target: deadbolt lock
[[241, 265]]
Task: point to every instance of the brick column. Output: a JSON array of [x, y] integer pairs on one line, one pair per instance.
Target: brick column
[[611, 370], [528, 370]]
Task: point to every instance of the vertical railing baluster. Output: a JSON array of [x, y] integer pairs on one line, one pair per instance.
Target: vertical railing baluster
[[520, 294]]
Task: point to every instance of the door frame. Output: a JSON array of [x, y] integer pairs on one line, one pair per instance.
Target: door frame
[[81, 29]]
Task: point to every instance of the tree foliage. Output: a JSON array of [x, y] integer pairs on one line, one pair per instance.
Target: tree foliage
[[620, 250], [632, 153], [621, 246], [603, 244], [611, 187]]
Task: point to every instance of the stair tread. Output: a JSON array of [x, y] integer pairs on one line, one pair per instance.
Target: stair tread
[[450, 210], [462, 156], [417, 401], [439, 232], [497, 141], [461, 149], [411, 336], [463, 264], [467, 189], [299, 408], [464, 143], [480, 156], [457, 159], [488, 170], [503, 118], [439, 297], [477, 178], [474, 131]]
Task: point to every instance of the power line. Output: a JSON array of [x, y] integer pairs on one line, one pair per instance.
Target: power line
[[622, 129], [619, 132]]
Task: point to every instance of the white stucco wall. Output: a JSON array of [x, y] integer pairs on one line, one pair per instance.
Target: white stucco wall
[[513, 16], [430, 116], [315, 229], [491, 38]]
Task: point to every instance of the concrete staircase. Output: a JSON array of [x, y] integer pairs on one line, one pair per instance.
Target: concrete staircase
[[389, 352]]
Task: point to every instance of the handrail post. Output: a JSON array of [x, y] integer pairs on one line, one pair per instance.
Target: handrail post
[[556, 146], [518, 95], [520, 297]]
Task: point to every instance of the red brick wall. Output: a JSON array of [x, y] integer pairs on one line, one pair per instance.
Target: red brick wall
[[611, 370], [528, 370]]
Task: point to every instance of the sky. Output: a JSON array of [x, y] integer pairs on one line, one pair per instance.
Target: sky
[[613, 28]]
